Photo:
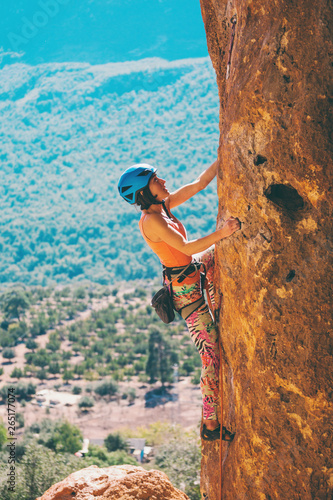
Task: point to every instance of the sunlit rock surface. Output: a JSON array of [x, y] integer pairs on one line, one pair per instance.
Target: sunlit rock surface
[[275, 274], [124, 482]]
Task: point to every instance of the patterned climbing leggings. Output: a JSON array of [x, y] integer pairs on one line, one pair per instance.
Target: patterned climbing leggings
[[202, 329]]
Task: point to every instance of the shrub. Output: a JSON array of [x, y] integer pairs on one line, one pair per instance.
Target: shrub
[[16, 373], [37, 471], [8, 353], [19, 417], [15, 303], [86, 402], [195, 380], [67, 375], [22, 390], [6, 340], [3, 434], [80, 293], [76, 389], [60, 435], [114, 442], [188, 366], [31, 344], [180, 460], [106, 388], [41, 374], [140, 292]]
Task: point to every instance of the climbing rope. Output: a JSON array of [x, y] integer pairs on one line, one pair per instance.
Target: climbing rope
[[216, 314], [233, 31], [217, 323]]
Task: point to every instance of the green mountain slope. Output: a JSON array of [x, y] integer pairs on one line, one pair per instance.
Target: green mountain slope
[[67, 131]]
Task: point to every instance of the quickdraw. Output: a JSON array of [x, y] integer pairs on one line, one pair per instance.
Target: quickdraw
[[233, 31]]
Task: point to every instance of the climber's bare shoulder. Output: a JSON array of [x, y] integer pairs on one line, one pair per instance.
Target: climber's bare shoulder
[[151, 226]]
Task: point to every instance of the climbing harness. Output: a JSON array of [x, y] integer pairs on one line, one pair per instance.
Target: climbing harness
[[162, 301], [234, 21], [194, 266]]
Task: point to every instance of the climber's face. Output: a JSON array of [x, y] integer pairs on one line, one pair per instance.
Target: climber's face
[[157, 187]]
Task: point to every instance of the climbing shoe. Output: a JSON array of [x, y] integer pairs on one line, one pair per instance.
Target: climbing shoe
[[208, 435]]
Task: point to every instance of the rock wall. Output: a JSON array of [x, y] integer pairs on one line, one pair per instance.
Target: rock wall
[[275, 275], [119, 482]]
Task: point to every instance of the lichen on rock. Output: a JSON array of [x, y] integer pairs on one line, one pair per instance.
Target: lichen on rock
[[275, 275]]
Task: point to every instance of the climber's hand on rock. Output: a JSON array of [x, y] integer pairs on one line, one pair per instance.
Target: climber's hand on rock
[[230, 226]]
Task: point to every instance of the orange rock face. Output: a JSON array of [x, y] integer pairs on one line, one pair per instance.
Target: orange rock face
[[124, 482], [275, 275]]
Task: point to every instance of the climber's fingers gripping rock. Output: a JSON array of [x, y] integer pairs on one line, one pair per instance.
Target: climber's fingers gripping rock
[[230, 226]]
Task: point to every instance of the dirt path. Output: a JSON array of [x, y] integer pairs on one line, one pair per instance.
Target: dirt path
[[106, 417]]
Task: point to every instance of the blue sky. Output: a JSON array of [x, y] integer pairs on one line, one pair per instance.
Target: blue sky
[[101, 31]]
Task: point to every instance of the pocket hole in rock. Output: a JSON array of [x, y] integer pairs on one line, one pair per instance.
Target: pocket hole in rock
[[290, 276], [285, 197], [259, 160]]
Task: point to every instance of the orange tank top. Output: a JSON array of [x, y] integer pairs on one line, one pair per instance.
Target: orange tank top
[[168, 255]]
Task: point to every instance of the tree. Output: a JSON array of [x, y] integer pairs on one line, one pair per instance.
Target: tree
[[114, 442], [54, 368], [180, 460], [18, 330], [21, 390], [80, 293], [68, 375], [65, 437], [54, 342], [15, 303], [6, 340], [31, 344], [20, 419], [86, 402], [106, 388], [41, 374], [36, 471], [39, 325], [76, 389], [131, 395], [16, 373], [160, 358], [8, 353], [79, 369], [3, 433], [188, 366], [42, 358]]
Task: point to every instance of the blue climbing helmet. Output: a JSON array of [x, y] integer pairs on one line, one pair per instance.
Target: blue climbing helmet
[[133, 180]]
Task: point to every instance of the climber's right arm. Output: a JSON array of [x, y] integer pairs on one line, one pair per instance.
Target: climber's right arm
[[160, 228]]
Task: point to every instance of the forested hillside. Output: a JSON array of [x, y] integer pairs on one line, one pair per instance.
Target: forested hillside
[[67, 131]]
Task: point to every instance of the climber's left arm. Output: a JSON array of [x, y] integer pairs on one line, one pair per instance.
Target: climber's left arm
[[184, 193]]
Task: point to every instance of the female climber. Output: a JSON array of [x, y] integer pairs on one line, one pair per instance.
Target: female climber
[[166, 236]]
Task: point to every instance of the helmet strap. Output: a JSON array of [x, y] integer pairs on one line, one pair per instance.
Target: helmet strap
[[165, 209], [153, 201]]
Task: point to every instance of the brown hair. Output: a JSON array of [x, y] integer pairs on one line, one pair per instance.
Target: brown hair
[[145, 199]]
